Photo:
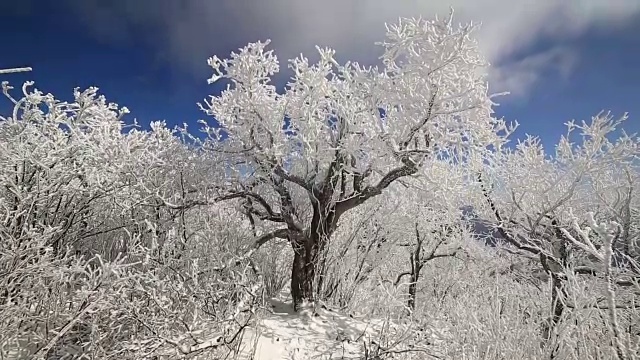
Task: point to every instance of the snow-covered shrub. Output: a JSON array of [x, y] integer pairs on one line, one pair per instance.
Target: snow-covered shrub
[[108, 247]]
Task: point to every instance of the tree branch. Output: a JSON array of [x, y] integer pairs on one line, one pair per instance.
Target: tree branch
[[500, 226], [263, 239], [278, 170], [435, 256], [400, 276], [409, 168], [422, 123]]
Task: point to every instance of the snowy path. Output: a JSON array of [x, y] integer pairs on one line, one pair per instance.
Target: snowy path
[[301, 336]]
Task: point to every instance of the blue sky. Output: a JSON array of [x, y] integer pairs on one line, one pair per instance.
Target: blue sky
[[561, 61]]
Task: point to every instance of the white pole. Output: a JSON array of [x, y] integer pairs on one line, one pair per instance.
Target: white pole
[[15, 70]]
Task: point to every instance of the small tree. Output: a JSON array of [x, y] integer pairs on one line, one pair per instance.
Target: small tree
[[431, 240], [426, 223], [339, 135]]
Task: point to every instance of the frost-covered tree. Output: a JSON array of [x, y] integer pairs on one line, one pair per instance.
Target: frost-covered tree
[[434, 233], [572, 212], [92, 263], [340, 134]]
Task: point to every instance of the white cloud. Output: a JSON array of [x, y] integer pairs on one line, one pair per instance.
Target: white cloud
[[519, 76], [189, 29]]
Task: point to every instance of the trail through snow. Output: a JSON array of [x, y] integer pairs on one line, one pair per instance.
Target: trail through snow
[[306, 335]]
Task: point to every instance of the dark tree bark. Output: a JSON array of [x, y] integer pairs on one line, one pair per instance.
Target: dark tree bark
[[303, 272], [416, 267], [415, 276], [308, 250]]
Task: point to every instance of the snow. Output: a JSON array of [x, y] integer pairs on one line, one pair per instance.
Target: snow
[[308, 334], [317, 332]]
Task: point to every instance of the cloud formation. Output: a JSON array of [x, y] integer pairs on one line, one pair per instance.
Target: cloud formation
[[188, 32], [521, 75]]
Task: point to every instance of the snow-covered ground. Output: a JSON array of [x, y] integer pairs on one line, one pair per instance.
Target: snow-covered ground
[[320, 334]]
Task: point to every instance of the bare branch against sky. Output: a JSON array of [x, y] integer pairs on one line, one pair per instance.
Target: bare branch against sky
[[15, 70]]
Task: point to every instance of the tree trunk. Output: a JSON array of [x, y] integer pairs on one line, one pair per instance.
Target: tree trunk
[[412, 291], [558, 292], [557, 306], [558, 296], [303, 271], [321, 274], [416, 265]]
